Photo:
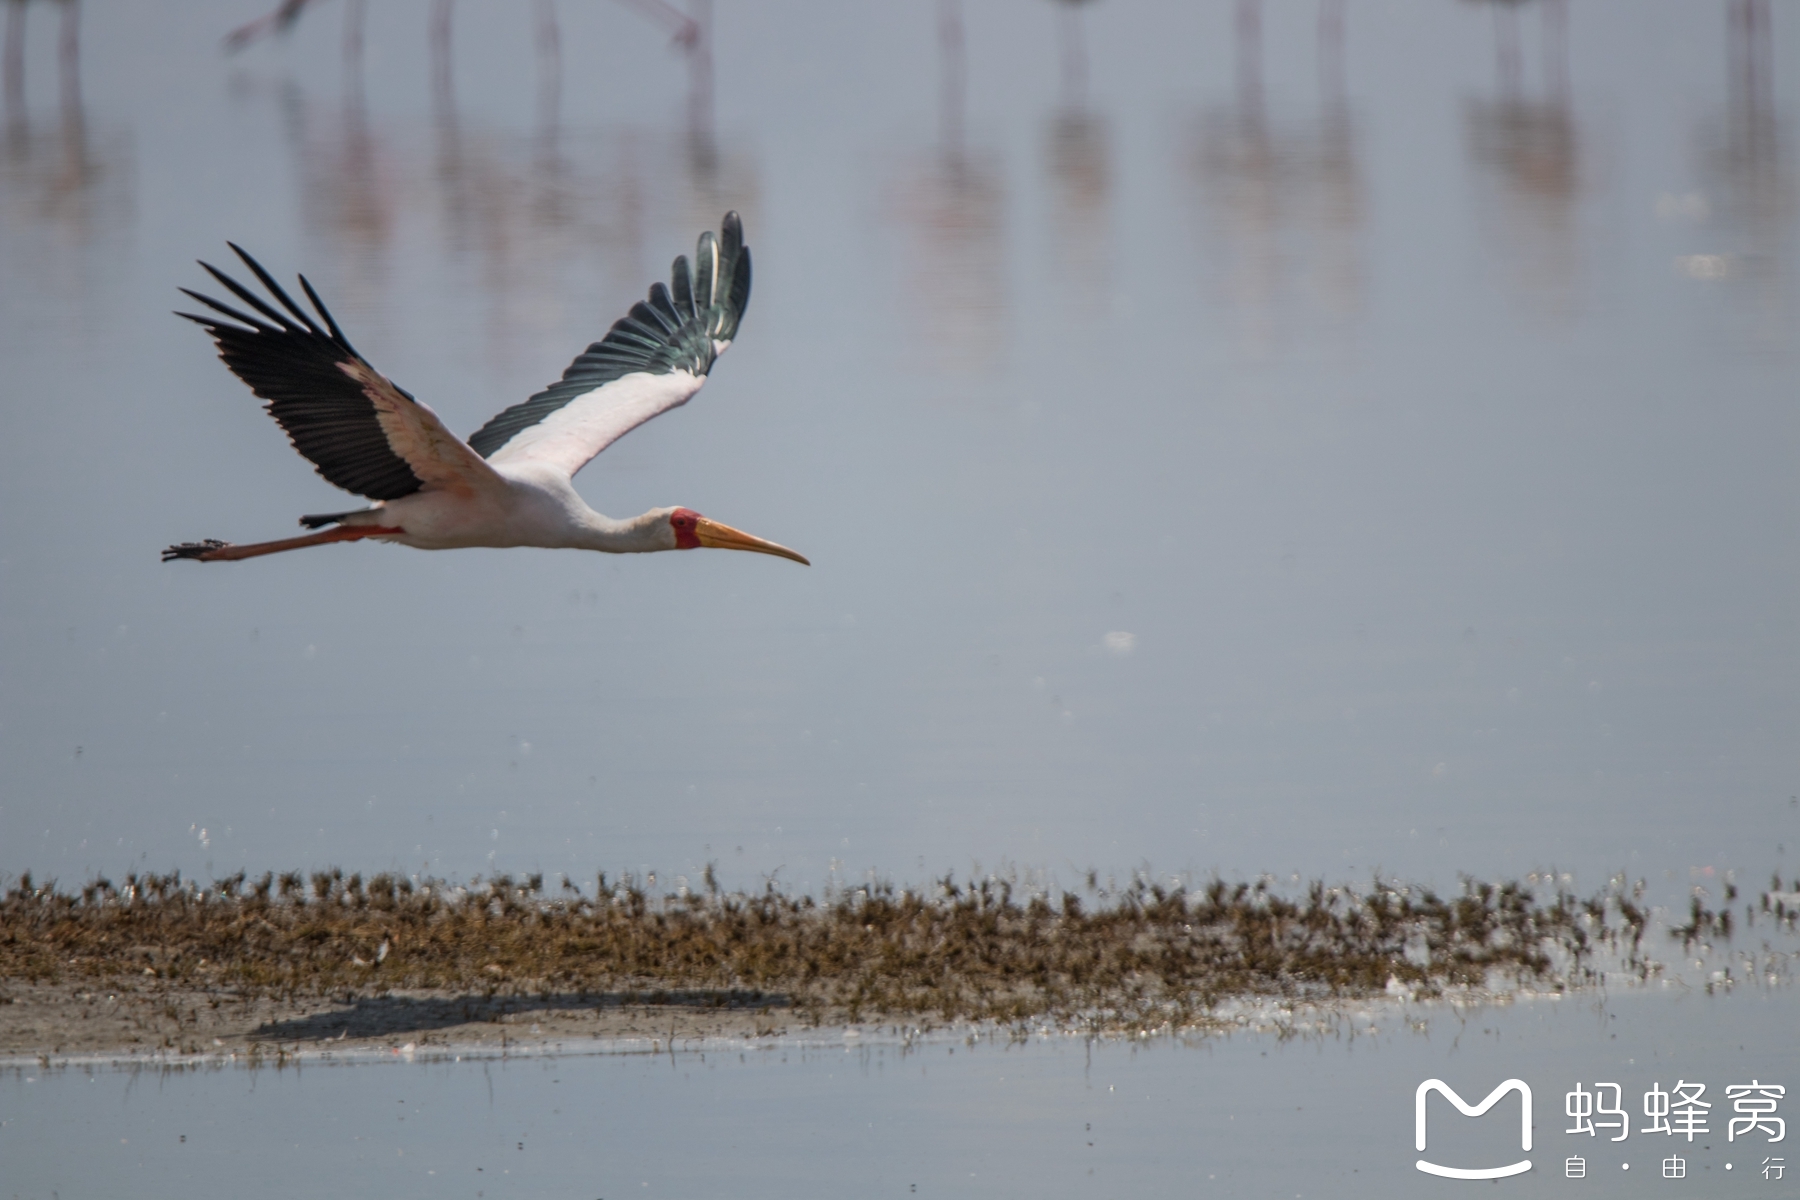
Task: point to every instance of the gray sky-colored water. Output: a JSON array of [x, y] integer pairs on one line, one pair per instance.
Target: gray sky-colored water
[[1218, 448], [1244, 1116]]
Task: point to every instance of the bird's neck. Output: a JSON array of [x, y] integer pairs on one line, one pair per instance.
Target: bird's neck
[[632, 535]]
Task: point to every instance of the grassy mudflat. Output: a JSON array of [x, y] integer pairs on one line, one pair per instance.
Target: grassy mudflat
[[162, 963]]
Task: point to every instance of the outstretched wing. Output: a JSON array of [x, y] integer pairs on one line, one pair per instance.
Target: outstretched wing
[[350, 421], [649, 362]]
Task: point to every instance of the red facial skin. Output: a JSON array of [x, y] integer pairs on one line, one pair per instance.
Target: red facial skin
[[684, 520]]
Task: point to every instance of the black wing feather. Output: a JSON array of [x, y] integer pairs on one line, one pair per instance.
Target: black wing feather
[[740, 284], [229, 311], [268, 281], [246, 295], [337, 335], [675, 329], [294, 366], [684, 288], [663, 305], [705, 256]]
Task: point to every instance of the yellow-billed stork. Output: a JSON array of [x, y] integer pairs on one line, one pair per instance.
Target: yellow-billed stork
[[509, 484]]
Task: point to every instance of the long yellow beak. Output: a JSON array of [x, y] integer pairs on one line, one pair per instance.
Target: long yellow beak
[[723, 537]]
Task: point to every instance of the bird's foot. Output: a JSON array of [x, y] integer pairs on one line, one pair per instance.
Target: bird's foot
[[198, 550]]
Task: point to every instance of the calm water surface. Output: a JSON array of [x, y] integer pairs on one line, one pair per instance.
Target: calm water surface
[[1228, 437], [1245, 1116], [1238, 437]]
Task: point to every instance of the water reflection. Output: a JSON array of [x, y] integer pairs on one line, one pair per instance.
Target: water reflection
[[952, 201], [692, 33], [1078, 158], [350, 189], [282, 19], [1019, 1114], [548, 40], [1743, 159], [1530, 148], [70, 187], [716, 177], [538, 217], [718, 174], [1283, 199], [521, 211]]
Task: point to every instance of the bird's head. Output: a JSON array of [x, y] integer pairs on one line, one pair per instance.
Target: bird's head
[[693, 531]]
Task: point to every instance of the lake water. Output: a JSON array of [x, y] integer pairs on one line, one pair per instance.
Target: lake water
[[1239, 437], [1220, 445], [1329, 1114]]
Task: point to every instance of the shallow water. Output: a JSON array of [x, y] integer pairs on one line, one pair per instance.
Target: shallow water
[[1249, 1115]]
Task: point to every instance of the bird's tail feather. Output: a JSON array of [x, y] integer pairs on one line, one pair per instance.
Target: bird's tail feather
[[320, 520]]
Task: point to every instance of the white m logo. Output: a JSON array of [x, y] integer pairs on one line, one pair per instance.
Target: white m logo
[[1449, 1093]]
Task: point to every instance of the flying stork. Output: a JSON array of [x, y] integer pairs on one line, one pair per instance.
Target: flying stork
[[509, 484]]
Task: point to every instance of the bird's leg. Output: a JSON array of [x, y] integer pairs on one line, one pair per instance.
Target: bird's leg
[[216, 551]]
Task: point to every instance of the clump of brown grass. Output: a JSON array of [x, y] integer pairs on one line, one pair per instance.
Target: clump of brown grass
[[1145, 953]]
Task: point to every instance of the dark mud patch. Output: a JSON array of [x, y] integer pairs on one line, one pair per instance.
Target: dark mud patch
[[158, 1020], [387, 1017]]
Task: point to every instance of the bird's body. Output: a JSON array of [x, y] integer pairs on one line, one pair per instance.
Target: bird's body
[[510, 483], [525, 506]]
